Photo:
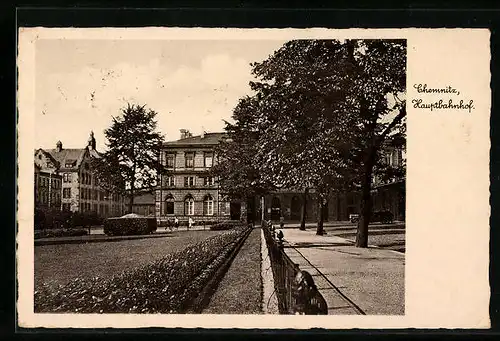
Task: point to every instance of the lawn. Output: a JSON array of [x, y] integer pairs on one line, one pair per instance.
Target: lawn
[[240, 291], [61, 263], [389, 236]]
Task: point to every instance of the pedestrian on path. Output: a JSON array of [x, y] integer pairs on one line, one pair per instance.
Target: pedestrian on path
[[309, 300], [176, 223], [190, 222], [282, 222]]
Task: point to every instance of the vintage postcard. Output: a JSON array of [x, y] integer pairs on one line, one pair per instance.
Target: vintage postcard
[[253, 178]]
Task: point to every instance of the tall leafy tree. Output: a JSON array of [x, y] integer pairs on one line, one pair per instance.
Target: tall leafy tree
[[325, 109], [238, 174], [133, 147]]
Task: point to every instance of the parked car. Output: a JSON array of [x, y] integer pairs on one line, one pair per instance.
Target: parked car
[[382, 217]]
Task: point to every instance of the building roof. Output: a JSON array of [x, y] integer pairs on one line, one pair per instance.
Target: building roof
[[66, 156], [74, 156], [207, 139], [144, 198]]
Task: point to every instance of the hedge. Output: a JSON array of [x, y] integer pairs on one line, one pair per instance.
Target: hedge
[[54, 218], [225, 225], [60, 233], [129, 225], [168, 285]]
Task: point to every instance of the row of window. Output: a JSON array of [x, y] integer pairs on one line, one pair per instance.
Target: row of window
[[45, 182], [86, 178], [43, 198], [189, 160], [90, 194], [189, 203], [189, 181]]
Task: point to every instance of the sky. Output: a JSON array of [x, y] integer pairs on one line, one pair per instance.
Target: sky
[[191, 84]]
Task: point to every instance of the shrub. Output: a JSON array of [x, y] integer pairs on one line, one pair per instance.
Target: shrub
[[71, 232], [168, 285], [225, 225], [129, 225]]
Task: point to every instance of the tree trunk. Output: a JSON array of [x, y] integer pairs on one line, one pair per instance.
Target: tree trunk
[[131, 200], [319, 230], [304, 211], [366, 202]]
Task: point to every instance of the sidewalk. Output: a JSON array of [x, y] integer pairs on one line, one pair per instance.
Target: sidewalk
[[371, 279]]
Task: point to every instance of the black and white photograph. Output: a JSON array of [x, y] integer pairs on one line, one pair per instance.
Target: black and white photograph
[[220, 177], [236, 176]]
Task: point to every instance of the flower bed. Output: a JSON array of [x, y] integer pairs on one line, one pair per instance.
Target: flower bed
[[168, 285], [225, 225]]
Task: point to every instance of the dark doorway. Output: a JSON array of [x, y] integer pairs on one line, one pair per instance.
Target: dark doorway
[[295, 208], [275, 209], [235, 210], [251, 210]]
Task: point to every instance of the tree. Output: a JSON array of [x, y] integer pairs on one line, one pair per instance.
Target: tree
[[237, 172], [133, 148], [325, 108]]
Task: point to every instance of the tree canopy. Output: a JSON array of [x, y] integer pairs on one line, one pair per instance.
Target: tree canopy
[[319, 114], [133, 147]]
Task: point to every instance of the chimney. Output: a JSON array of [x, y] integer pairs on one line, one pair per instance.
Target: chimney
[[203, 134], [58, 146], [185, 133]]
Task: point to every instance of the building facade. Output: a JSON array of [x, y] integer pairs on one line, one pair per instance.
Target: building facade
[[79, 190], [188, 191], [144, 203], [48, 186]]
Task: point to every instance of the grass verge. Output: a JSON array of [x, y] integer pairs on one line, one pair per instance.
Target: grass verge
[[59, 264], [240, 291]]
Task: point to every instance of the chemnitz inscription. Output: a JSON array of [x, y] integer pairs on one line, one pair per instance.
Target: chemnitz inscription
[[442, 103]]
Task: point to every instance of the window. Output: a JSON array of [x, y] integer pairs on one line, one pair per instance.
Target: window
[[189, 160], [66, 207], [209, 181], [67, 177], [188, 181], [170, 160], [169, 205], [189, 206], [170, 181], [208, 160], [66, 193], [208, 205]]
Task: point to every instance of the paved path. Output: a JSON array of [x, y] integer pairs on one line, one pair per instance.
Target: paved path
[[371, 279]]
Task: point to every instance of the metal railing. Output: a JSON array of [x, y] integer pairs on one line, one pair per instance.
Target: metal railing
[[295, 289]]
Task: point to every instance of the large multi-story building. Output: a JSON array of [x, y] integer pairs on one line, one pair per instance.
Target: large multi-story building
[[79, 189], [47, 189], [188, 190]]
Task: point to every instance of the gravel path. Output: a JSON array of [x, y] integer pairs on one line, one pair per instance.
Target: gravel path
[[240, 291]]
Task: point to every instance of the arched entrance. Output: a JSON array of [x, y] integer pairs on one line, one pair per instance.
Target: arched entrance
[[295, 208], [275, 209]]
